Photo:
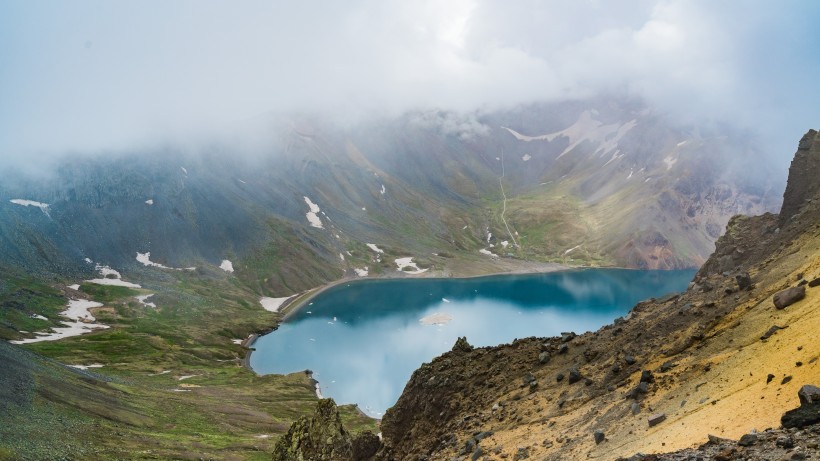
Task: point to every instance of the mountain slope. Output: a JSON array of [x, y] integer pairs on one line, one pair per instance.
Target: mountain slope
[[710, 360], [608, 179]]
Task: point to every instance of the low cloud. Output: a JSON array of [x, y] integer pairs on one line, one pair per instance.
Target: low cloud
[[96, 75]]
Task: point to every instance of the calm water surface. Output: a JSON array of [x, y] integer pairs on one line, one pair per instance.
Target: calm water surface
[[363, 339]]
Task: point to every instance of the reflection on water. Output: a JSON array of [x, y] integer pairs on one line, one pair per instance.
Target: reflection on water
[[363, 340]]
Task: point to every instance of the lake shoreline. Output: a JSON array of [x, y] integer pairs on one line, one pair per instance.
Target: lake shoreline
[[536, 304]]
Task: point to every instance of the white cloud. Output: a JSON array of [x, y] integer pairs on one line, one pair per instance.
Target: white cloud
[[95, 74]]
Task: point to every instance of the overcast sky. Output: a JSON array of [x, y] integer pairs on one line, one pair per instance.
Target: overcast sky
[[108, 74]]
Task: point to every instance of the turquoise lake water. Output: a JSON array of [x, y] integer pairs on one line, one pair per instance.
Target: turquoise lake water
[[364, 339]]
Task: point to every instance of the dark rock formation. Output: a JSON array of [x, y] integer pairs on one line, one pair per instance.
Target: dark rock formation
[[320, 437], [803, 184], [808, 412]]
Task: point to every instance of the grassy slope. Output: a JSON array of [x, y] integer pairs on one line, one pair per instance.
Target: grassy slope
[[224, 411]]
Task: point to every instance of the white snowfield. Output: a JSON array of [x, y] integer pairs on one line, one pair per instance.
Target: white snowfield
[[586, 128], [226, 266], [312, 216], [273, 304], [105, 271], [80, 322], [42, 206], [143, 299], [403, 263], [145, 259]]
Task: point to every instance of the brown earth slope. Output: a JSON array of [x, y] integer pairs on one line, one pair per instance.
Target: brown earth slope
[[710, 360]]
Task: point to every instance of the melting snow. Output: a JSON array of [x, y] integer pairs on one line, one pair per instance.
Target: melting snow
[[311, 215], [74, 287], [408, 262], [143, 299], [361, 272], [145, 259], [81, 322], [669, 161], [42, 206], [226, 266], [584, 129], [86, 367], [105, 271], [571, 250], [375, 248], [150, 201], [273, 304]]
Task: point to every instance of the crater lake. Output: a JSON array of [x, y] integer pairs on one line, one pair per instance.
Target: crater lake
[[363, 339]]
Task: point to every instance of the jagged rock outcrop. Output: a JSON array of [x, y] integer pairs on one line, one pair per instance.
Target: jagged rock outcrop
[[803, 184], [322, 437]]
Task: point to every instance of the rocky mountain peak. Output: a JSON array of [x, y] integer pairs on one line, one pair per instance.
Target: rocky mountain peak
[[802, 185]]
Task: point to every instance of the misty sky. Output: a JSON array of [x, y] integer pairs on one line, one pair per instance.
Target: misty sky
[[91, 75]]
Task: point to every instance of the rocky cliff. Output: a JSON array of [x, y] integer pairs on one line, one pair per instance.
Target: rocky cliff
[[725, 358]]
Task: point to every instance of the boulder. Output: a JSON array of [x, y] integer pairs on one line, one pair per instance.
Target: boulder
[[656, 419], [544, 357], [789, 296], [744, 281], [365, 446], [747, 440], [808, 412], [598, 436], [574, 376]]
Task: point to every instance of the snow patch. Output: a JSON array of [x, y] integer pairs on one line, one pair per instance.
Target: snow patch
[[38, 316], [383, 189], [526, 157], [408, 262], [571, 250], [341, 256], [273, 304], [184, 170], [86, 367], [586, 128], [313, 219], [487, 252], [361, 272], [375, 248], [682, 143], [42, 206], [143, 299], [74, 287], [669, 161], [81, 322], [226, 266], [505, 243], [150, 201], [145, 259]]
